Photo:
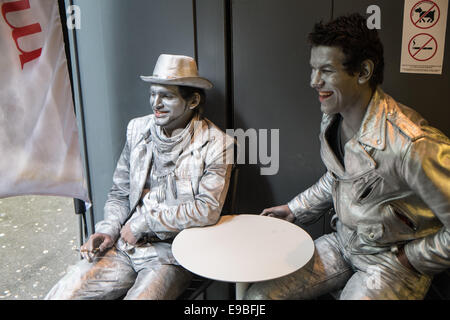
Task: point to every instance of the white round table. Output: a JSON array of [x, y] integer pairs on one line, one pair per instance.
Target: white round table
[[244, 248]]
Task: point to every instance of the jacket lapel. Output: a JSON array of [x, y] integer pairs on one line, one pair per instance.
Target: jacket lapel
[[372, 132], [357, 160], [371, 135], [326, 151], [200, 138], [142, 160]]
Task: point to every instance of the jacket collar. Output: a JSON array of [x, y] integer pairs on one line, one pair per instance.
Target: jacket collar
[[373, 127], [200, 138], [372, 133], [201, 135]]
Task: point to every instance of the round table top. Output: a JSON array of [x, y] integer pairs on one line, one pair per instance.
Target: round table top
[[244, 248]]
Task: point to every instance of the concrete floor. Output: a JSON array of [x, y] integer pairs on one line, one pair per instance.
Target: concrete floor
[[39, 236]]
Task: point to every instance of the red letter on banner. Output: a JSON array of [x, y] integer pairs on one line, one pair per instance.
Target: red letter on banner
[[19, 32]]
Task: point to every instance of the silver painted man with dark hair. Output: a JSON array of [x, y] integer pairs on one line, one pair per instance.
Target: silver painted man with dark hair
[[173, 174], [388, 179]]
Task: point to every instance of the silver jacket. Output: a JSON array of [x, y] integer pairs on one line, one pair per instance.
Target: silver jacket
[[202, 175], [394, 190]]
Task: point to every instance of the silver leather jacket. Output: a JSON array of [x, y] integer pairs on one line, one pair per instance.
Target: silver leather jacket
[[394, 190], [202, 175]]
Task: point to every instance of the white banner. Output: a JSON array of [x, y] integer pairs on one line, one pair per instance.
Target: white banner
[[39, 148]]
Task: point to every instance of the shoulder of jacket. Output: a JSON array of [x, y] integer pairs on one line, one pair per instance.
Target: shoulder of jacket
[[406, 120], [215, 133], [139, 126], [139, 122]]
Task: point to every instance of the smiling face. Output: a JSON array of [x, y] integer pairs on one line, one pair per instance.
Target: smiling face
[[338, 91], [171, 110]]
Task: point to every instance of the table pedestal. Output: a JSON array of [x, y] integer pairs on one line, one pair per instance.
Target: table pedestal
[[241, 288]]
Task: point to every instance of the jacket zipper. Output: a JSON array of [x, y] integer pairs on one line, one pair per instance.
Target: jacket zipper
[[404, 216], [335, 195]]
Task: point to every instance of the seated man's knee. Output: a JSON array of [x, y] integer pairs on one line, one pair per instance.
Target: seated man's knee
[[257, 291]]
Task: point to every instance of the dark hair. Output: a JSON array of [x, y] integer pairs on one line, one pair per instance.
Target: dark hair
[[357, 41], [187, 92]]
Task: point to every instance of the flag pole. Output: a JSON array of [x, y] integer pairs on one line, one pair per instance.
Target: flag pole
[[73, 66]]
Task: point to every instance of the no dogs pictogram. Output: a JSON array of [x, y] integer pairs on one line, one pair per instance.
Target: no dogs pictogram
[[422, 47], [425, 14]]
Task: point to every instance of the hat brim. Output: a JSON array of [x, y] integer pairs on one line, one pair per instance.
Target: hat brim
[[196, 82]]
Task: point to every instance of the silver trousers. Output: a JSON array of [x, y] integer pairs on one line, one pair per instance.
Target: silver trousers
[[117, 274], [361, 277]]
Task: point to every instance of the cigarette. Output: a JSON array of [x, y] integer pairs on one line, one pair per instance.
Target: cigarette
[[84, 250]]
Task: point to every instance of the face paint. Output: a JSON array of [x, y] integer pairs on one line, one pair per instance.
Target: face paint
[[337, 89], [170, 109]]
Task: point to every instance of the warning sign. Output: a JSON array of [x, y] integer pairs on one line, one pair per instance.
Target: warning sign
[[425, 14], [422, 47], [424, 26]]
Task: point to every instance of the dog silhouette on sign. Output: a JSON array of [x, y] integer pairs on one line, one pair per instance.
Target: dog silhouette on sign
[[424, 15]]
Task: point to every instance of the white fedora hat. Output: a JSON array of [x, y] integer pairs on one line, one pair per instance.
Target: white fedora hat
[[177, 70]]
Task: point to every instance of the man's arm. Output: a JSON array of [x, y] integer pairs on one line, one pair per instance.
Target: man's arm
[[426, 169], [117, 206], [311, 204], [308, 206]]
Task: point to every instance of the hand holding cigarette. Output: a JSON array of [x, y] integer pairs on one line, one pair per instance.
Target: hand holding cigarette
[[98, 242]]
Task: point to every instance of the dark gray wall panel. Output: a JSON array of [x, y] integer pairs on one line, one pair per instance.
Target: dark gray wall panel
[[428, 94], [271, 91], [211, 57], [119, 41]]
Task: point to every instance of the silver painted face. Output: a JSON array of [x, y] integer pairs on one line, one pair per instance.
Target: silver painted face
[[170, 109], [338, 91]]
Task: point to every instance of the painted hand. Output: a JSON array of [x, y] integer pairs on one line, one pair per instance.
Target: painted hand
[[127, 235], [97, 243], [280, 212]]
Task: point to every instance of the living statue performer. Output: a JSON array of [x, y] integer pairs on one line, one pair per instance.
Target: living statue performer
[[173, 174], [388, 179]]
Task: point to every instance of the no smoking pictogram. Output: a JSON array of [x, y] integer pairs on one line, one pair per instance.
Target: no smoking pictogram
[[422, 47], [425, 14]]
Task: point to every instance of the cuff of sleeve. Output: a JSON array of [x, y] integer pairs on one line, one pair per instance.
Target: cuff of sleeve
[[138, 226], [107, 228], [295, 206], [410, 256]]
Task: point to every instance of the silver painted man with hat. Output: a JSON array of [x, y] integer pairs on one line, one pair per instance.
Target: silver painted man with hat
[[173, 174]]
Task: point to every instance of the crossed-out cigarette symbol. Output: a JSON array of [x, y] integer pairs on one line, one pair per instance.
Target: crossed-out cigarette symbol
[[422, 47]]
